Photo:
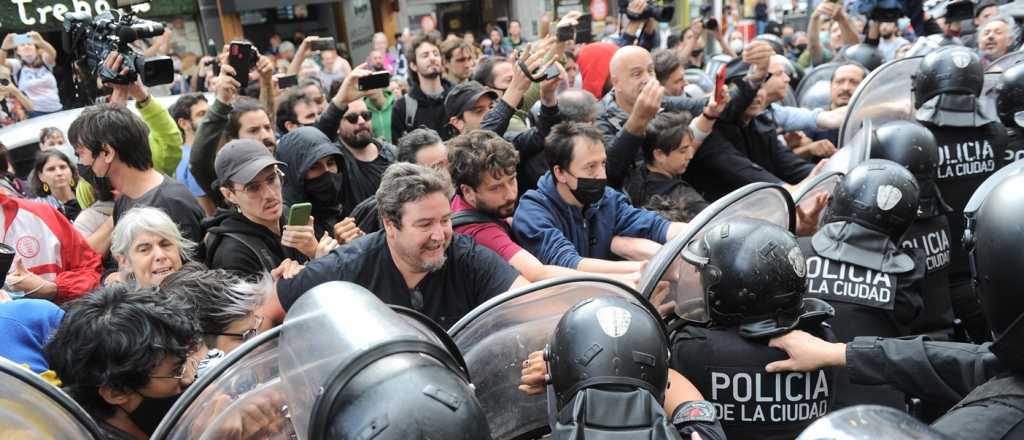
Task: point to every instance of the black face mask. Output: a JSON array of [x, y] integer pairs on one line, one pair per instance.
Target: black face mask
[[151, 411], [104, 192], [324, 192], [589, 191], [799, 48]]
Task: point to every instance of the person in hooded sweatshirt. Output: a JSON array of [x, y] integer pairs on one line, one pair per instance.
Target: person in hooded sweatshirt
[[252, 236], [315, 174]]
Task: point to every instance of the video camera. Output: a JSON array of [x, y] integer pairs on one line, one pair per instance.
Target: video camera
[[653, 10], [91, 39]]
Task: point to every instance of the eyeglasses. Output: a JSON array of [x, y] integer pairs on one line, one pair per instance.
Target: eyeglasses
[[246, 335], [255, 188], [190, 365], [352, 118]]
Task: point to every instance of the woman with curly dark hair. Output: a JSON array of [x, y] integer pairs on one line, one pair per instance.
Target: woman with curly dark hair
[[53, 181]]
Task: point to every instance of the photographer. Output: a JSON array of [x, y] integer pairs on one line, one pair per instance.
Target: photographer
[[32, 70], [841, 33], [632, 34], [14, 105]]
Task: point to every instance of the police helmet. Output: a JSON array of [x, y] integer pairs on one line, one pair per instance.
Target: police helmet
[[879, 195], [866, 55], [952, 69], [1010, 102], [997, 264], [608, 343], [912, 145], [753, 275]]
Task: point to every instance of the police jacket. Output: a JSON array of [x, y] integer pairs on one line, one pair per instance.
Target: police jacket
[[931, 237], [738, 153], [751, 403]]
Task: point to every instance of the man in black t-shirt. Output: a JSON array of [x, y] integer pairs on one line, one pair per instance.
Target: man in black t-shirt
[[366, 158], [415, 261]]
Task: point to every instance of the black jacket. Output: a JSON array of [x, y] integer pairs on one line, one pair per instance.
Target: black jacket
[[529, 143], [301, 149], [235, 243], [736, 154], [429, 111]]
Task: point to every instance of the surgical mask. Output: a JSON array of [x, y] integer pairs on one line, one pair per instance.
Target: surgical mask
[[902, 24], [29, 59], [104, 192], [736, 46], [588, 190], [324, 192], [151, 411], [823, 38], [663, 26]]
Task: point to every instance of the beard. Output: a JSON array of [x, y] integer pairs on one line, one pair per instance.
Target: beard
[[359, 139], [434, 265], [501, 212], [887, 35], [430, 73]]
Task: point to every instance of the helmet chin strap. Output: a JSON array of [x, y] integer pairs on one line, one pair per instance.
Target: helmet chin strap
[[550, 391]]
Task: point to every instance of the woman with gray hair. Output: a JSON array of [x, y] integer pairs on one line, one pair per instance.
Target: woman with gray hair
[[148, 247], [229, 308]]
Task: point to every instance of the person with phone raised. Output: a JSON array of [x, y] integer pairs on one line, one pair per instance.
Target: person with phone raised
[[253, 237]]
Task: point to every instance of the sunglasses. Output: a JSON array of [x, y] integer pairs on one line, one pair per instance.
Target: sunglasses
[[353, 118]]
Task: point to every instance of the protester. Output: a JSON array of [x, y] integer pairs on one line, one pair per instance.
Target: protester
[[187, 112], [32, 70], [148, 247], [424, 105], [53, 180]]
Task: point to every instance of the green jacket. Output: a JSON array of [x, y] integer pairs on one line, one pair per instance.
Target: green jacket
[[382, 115], [164, 141]]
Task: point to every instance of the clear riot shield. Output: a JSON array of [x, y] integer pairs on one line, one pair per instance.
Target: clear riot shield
[[823, 183], [852, 153], [698, 83], [213, 406], [31, 408], [497, 336], [815, 90], [869, 422], [990, 91], [884, 95], [1006, 61], [672, 284]]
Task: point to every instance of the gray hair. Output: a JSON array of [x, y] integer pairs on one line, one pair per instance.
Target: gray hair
[[147, 219], [218, 296], [404, 183], [1011, 25], [577, 105]]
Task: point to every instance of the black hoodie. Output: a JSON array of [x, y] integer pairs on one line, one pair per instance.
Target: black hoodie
[[430, 111], [301, 149], [250, 248]]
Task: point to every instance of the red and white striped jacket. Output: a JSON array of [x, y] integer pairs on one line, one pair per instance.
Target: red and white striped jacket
[[50, 247]]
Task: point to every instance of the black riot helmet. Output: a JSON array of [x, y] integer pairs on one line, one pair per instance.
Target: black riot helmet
[[912, 145], [608, 343], [1010, 102], [866, 55], [753, 276], [952, 69], [997, 264], [879, 195]]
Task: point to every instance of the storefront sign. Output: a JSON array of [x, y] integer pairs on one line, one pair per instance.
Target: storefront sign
[[17, 15]]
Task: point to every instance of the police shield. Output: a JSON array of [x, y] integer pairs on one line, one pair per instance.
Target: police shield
[[698, 83], [1006, 61], [869, 422], [884, 95], [990, 91], [815, 89], [31, 408], [672, 284], [851, 154], [497, 336], [807, 197]]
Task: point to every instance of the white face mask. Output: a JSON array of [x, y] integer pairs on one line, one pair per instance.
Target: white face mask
[[29, 59], [736, 46]]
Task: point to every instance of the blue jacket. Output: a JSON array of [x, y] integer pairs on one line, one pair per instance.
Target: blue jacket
[[560, 234]]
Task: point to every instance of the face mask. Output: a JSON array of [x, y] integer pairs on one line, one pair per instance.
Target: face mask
[[325, 191], [823, 39], [663, 26], [736, 46], [151, 411], [104, 192], [799, 48], [696, 52], [29, 59], [589, 191]]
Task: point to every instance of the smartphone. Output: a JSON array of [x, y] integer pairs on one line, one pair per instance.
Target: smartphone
[[585, 29], [298, 214], [375, 80], [20, 39], [323, 43], [551, 72], [566, 33], [287, 81], [720, 82], [242, 58]]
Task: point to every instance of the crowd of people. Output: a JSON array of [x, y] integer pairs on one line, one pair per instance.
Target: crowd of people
[[148, 243]]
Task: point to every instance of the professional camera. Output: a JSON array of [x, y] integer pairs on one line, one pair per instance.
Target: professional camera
[[91, 39], [653, 10], [881, 10]]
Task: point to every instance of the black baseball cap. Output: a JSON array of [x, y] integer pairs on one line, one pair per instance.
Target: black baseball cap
[[240, 160], [463, 96]]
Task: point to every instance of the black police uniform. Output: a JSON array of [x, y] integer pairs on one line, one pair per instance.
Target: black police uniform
[[869, 300], [930, 236], [1009, 101], [751, 403]]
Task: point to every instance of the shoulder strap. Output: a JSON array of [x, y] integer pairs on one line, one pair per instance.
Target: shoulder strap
[[472, 216], [410, 112], [265, 259]]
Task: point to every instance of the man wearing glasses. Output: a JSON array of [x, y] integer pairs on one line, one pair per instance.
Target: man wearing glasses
[[366, 157], [126, 356]]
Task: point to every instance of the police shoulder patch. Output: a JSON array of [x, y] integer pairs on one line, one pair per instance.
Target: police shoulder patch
[[694, 411]]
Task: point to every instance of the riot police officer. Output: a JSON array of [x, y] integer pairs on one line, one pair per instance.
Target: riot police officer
[[972, 145], [988, 380], [608, 369], [854, 263], [1010, 108], [751, 273], [913, 146]]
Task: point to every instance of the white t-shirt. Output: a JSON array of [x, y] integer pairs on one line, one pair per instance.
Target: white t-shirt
[[38, 84]]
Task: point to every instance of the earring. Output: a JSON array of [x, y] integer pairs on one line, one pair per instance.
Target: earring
[[46, 188]]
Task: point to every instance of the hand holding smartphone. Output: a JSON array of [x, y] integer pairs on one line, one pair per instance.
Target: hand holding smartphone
[[242, 57], [298, 214], [375, 80]]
